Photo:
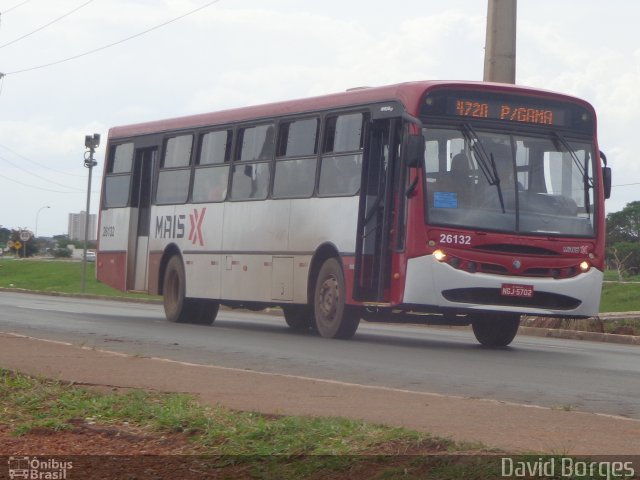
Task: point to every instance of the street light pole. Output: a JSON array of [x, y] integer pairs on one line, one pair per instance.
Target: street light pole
[[37, 214], [91, 143]]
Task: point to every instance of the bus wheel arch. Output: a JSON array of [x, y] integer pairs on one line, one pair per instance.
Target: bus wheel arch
[[328, 295]]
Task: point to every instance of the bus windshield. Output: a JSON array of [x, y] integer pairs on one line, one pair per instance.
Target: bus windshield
[[521, 183]]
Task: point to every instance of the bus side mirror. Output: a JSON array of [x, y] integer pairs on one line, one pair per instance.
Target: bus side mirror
[[606, 181], [415, 150], [606, 176]]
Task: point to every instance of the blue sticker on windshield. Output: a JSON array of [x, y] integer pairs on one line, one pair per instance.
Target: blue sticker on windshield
[[445, 200]]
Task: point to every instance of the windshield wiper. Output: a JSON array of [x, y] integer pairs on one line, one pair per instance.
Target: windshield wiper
[[486, 162], [587, 182]]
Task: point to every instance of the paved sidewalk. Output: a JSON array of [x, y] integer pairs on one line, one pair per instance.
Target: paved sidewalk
[[503, 425]]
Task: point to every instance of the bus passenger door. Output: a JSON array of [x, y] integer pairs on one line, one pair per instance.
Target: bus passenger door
[[137, 268], [375, 215]]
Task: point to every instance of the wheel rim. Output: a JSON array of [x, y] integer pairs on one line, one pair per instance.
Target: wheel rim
[[329, 298]]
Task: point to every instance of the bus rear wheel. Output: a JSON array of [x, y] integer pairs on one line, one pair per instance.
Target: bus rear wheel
[[298, 317], [177, 307], [333, 318], [496, 330]]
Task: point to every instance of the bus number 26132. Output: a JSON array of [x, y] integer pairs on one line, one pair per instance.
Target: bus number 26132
[[455, 239]]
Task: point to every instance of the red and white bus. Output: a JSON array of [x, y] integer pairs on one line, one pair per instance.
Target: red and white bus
[[427, 202]]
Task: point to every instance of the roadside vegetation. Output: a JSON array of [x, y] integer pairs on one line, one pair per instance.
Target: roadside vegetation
[[262, 446], [620, 297], [55, 276]]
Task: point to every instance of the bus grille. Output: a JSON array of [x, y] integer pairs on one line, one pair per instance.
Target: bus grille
[[484, 267], [516, 249], [492, 296]]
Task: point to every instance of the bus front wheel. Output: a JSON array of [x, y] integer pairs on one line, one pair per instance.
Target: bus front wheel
[[333, 317], [177, 307], [496, 330]]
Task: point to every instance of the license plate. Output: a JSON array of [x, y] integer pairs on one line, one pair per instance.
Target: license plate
[[513, 290]]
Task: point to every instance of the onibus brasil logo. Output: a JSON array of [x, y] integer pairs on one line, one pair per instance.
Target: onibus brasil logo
[[38, 469]]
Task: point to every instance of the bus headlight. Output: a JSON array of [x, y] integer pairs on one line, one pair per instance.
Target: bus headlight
[[584, 266], [439, 255]]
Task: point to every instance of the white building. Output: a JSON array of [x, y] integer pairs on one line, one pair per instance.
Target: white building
[[77, 223]]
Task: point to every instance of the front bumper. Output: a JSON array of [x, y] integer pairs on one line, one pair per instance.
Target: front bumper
[[437, 284]]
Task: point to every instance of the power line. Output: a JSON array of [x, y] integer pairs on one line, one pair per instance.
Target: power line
[[46, 25], [15, 6], [39, 164], [36, 175], [104, 47], [626, 184], [38, 188]]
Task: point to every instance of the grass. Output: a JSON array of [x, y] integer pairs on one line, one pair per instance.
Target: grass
[[60, 276], [231, 444], [612, 276], [620, 297], [29, 403], [272, 446]]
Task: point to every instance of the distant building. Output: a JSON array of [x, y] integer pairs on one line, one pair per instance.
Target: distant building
[[77, 223]]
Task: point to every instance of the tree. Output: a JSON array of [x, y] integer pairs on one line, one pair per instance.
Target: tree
[[625, 258], [624, 226], [63, 241], [623, 239], [5, 233]]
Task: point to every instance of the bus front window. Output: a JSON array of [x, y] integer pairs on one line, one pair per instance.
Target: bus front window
[[509, 182]]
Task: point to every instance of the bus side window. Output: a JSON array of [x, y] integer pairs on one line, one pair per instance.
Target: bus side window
[[341, 162], [118, 178], [250, 181], [211, 174], [256, 143], [295, 168], [175, 171]]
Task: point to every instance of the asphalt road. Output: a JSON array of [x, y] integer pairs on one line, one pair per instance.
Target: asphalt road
[[565, 374]]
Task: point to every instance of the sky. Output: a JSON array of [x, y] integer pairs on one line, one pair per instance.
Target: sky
[[234, 53]]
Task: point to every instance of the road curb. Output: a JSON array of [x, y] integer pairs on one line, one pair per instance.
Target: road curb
[[580, 335], [88, 296]]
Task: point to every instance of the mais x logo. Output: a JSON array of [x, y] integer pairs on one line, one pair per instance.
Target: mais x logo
[[174, 226], [195, 234]]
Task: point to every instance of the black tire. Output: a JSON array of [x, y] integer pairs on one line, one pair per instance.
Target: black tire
[[202, 311], [496, 330], [298, 317], [177, 307], [333, 318]]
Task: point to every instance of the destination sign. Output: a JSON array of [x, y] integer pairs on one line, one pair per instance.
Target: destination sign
[[506, 107], [512, 112]]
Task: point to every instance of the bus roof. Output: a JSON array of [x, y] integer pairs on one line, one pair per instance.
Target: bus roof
[[409, 94]]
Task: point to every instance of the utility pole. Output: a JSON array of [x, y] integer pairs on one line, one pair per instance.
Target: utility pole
[[500, 47], [91, 143]]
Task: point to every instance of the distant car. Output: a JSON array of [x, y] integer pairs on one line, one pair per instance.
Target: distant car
[[91, 256]]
